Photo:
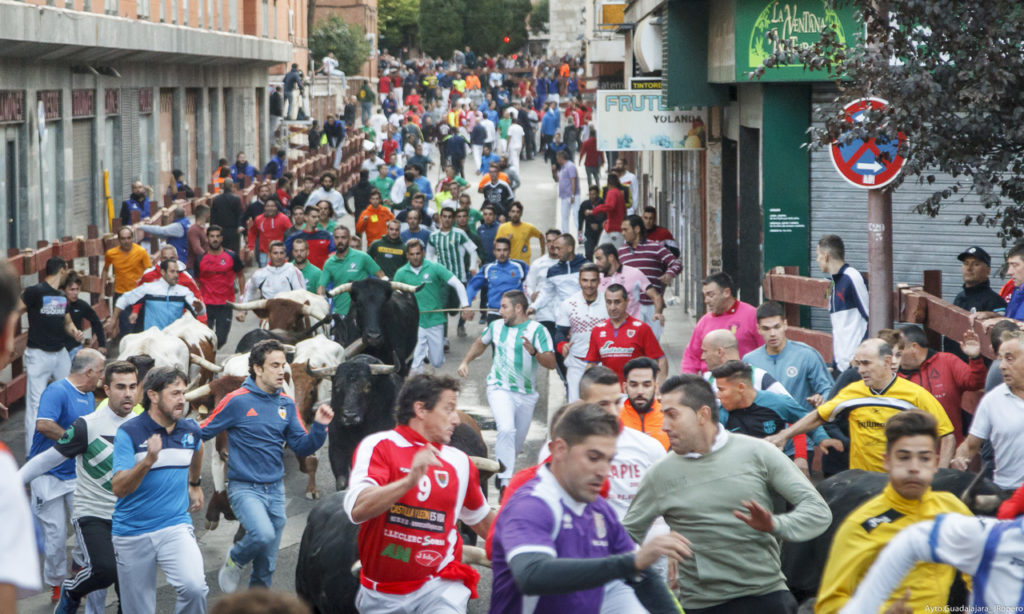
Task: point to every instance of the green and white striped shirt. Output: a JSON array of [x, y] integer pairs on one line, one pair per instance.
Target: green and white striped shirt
[[513, 368], [449, 249]]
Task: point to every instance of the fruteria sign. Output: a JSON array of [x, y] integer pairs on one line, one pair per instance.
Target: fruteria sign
[[799, 21], [638, 121]]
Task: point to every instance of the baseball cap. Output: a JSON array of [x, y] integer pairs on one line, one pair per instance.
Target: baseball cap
[[975, 252]]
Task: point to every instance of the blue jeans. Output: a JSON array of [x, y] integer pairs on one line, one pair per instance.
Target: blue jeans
[[260, 509]]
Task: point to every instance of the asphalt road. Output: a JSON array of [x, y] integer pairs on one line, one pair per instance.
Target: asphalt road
[[538, 195]]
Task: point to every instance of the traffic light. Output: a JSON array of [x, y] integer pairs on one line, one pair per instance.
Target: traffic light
[[506, 39]]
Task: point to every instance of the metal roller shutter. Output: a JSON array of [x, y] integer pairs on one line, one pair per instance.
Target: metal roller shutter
[[919, 242], [83, 181], [131, 159]]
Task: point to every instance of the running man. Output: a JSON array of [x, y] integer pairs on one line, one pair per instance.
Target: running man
[[520, 345], [407, 489], [557, 543], [431, 298], [89, 441], [157, 461], [260, 420]]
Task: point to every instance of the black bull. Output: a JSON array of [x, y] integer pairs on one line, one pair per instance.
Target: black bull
[[385, 318], [804, 562]]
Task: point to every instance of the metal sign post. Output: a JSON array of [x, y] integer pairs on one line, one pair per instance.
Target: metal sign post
[[872, 165]]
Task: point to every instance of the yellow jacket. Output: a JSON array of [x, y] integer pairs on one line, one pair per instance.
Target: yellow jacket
[[867, 530]]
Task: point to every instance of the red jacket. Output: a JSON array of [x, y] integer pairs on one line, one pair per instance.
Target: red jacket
[[947, 378], [614, 206], [269, 229]]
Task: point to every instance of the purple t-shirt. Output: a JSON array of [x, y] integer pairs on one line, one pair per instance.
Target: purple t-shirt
[[541, 517], [565, 176]]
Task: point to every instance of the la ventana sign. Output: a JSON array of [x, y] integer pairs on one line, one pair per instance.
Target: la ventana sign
[[871, 164], [797, 21]]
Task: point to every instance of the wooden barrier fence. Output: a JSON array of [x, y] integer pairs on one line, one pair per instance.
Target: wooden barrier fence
[[91, 247], [918, 304]]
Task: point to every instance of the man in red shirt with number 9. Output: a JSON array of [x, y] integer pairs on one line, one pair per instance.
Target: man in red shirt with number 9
[[407, 489]]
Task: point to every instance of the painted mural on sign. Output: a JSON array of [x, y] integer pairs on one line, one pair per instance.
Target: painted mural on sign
[[637, 121]]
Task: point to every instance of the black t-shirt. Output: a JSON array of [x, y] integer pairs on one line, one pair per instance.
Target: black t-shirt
[[46, 309], [80, 312]]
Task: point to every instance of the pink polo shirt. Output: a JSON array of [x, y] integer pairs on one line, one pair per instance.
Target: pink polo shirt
[[741, 319], [635, 283]]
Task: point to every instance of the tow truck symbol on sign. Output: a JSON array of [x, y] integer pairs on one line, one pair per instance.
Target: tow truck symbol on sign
[[871, 164]]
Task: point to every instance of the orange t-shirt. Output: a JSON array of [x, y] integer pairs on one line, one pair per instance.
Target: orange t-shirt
[[373, 222], [128, 266], [487, 179], [472, 82], [648, 423]]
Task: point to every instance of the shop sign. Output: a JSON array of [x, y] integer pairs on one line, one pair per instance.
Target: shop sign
[[639, 121], [12, 106], [799, 21]]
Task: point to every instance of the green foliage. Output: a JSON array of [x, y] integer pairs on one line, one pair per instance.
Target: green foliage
[[539, 17], [398, 24], [485, 26], [441, 26], [519, 15], [347, 41], [953, 73]]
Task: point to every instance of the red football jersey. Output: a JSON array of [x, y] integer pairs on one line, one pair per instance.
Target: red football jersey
[[417, 538], [614, 347]]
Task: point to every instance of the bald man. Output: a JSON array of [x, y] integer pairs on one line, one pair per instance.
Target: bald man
[[719, 347], [870, 402]]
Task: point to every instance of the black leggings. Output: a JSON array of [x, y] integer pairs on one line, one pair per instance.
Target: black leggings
[[100, 569]]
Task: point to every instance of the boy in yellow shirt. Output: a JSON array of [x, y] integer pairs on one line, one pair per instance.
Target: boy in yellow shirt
[[519, 233], [911, 460]]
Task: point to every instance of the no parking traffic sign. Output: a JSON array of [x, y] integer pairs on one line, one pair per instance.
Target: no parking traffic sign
[[871, 164]]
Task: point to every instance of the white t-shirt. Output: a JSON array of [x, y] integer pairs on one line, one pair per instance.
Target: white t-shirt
[[19, 559], [334, 197], [489, 127], [1000, 420], [581, 317], [515, 136]]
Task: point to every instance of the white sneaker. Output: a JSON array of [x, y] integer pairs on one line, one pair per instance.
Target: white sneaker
[[229, 576]]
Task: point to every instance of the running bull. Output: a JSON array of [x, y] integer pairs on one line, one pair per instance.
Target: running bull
[[384, 317]]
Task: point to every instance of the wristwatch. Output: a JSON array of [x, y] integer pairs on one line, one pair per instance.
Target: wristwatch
[[198, 482]]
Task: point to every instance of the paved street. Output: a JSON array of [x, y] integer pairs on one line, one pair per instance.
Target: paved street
[[538, 195]]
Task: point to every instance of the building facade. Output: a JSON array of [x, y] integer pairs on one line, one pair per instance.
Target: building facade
[[95, 97]]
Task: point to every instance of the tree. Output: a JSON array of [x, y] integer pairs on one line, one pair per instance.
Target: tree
[[486, 25], [953, 73], [398, 23], [440, 26], [519, 13], [539, 17], [347, 41]]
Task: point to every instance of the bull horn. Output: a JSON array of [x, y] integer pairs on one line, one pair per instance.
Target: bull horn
[[397, 285], [322, 372], [475, 555], [307, 309], [206, 364], [198, 393], [356, 347], [288, 349], [986, 504], [382, 369], [485, 464], [260, 304], [340, 289]]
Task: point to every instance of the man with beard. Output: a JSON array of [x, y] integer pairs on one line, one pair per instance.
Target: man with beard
[[327, 192], [642, 410], [277, 277], [344, 266], [300, 260], [138, 201], [242, 169], [155, 455], [221, 279], [89, 441]]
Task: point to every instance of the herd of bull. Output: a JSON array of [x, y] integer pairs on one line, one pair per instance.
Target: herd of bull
[[360, 366]]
